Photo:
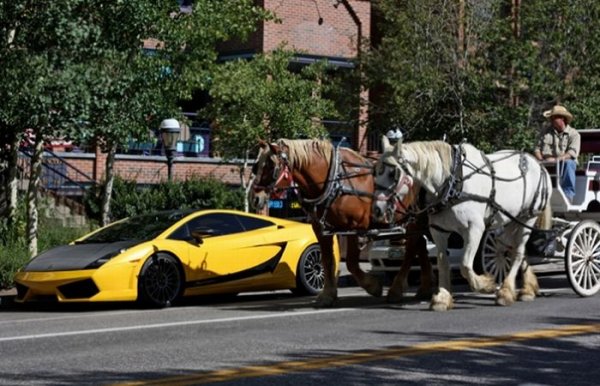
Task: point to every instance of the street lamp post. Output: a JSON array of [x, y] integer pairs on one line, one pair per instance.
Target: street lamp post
[[169, 132]]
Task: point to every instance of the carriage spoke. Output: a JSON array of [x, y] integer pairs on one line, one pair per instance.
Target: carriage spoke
[[578, 270], [594, 270], [578, 246], [490, 265], [492, 269], [576, 263], [590, 278], [593, 241], [585, 279], [593, 276]]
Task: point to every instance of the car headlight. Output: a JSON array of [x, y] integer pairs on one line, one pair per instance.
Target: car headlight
[[102, 260]]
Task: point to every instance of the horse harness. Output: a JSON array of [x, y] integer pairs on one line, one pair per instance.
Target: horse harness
[[333, 189], [452, 192]]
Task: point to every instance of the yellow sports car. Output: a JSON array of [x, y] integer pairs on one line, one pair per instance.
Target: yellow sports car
[[159, 257]]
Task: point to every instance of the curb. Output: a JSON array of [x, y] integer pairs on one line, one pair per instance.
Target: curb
[[8, 292]]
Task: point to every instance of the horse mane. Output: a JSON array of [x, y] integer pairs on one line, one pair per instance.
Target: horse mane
[[302, 151], [429, 157]]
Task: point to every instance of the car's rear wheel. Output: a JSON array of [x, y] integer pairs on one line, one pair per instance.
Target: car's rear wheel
[[160, 281], [310, 276]]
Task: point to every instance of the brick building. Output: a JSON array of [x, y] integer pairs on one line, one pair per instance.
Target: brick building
[[331, 29]]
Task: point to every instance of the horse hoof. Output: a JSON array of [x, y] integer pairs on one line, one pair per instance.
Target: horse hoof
[[322, 302], [393, 298], [373, 286], [504, 297], [442, 301], [376, 292], [526, 297], [486, 284]]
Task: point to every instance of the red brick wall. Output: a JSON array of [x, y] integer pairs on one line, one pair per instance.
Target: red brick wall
[[299, 27], [148, 169]]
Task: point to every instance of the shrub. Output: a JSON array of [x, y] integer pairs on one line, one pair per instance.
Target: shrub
[[129, 199]]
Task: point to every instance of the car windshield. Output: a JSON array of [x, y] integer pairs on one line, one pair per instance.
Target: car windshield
[[144, 227]]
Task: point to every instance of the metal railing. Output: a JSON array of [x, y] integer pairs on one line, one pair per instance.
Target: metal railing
[[58, 174]]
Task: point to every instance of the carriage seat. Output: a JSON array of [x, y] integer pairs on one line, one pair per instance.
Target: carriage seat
[[586, 179]]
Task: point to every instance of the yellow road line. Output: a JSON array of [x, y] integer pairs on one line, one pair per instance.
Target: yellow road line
[[367, 356]]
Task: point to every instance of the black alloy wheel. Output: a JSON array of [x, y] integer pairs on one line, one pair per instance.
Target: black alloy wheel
[[160, 281]]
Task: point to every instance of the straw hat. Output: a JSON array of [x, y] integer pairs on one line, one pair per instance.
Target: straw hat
[[560, 111]]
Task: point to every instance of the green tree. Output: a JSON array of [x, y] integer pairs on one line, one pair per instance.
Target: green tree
[[135, 89], [533, 55], [419, 68], [263, 99], [87, 76], [485, 70], [42, 61]]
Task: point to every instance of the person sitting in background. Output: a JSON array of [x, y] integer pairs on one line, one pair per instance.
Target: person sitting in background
[[560, 142]]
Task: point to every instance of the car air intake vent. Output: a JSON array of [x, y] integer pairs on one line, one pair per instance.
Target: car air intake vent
[[21, 291], [82, 289]]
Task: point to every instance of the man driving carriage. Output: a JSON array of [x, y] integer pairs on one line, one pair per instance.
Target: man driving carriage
[[560, 142]]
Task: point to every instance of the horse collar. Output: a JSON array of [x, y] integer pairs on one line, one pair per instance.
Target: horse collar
[[452, 189], [330, 183]]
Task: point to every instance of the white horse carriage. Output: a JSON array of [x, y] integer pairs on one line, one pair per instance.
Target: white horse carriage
[[575, 234], [495, 202]]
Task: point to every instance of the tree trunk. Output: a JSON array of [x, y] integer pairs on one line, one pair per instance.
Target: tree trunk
[[246, 184], [12, 181], [32, 194], [108, 186]]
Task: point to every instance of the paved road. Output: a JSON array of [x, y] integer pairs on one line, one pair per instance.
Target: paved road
[[275, 338]]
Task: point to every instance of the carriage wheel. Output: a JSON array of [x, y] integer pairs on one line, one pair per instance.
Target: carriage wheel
[[582, 258], [492, 258]]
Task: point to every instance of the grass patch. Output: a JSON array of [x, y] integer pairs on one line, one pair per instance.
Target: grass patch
[[14, 253]]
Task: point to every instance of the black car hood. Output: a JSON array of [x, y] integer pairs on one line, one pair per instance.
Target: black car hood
[[74, 257]]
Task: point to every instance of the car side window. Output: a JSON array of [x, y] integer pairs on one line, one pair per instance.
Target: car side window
[[251, 223], [219, 223]]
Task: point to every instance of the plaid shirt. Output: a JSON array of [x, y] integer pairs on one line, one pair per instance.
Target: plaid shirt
[[554, 144]]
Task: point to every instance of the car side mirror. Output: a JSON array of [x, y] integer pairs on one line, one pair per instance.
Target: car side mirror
[[198, 234]]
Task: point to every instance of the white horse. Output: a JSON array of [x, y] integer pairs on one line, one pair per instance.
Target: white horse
[[467, 192]]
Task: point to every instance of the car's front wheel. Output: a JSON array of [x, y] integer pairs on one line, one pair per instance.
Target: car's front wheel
[[310, 276], [160, 281]]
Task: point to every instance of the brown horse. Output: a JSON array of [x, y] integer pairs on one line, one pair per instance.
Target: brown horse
[[335, 188]]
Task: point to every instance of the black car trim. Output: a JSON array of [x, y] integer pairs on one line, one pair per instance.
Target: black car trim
[[267, 266]]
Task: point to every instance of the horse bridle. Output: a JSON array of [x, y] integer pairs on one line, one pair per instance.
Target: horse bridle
[[394, 201], [281, 171]]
